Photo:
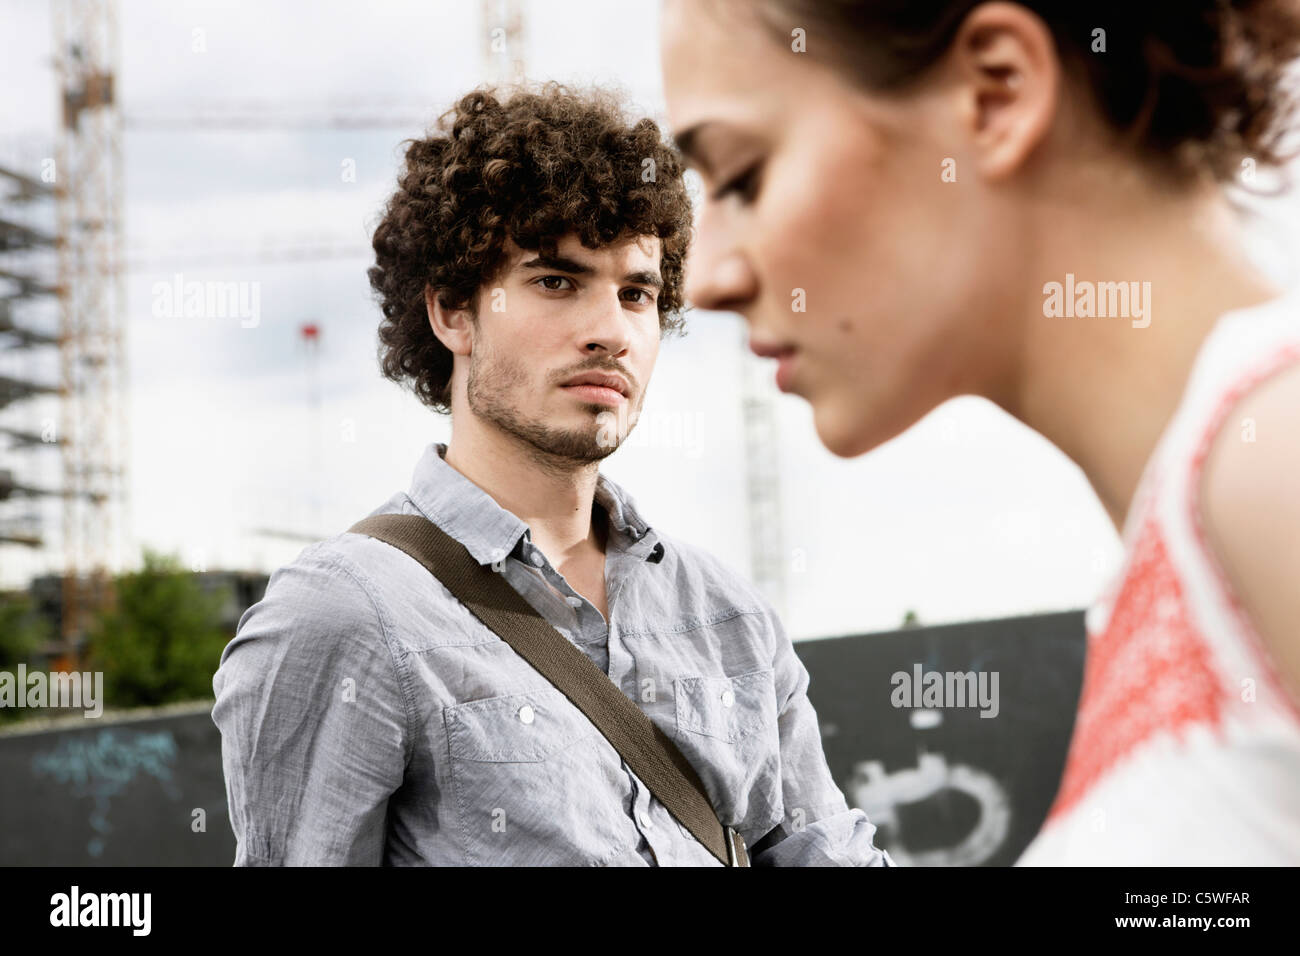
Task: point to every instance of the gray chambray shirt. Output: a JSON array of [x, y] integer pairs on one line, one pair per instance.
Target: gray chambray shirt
[[368, 718]]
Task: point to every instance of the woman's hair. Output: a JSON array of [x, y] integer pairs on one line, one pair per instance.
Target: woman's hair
[[1198, 85], [534, 167]]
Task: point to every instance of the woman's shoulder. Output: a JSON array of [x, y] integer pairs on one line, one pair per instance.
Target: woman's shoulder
[[1250, 510]]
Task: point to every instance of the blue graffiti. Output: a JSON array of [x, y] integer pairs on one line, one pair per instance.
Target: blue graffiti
[[102, 766]]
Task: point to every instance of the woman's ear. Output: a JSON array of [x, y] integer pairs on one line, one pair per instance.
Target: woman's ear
[[453, 327], [1009, 77]]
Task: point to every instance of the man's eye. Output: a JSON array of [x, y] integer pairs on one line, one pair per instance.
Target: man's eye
[[745, 185], [646, 297], [545, 279]]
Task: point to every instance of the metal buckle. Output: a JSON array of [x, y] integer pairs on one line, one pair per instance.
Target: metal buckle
[[733, 839]]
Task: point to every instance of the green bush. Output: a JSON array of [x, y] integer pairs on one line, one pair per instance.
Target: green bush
[[163, 640], [22, 633]]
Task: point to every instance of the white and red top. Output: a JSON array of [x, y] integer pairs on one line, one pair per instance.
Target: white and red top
[[1186, 748]]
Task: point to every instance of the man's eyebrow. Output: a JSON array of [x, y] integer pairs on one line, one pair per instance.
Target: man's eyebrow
[[573, 267], [645, 278], [558, 263]]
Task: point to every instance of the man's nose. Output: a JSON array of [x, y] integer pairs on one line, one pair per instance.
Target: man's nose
[[607, 329]]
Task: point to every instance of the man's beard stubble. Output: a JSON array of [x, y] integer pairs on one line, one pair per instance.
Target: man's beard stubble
[[488, 387]]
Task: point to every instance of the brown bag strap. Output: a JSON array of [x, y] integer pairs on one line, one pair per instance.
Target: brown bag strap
[[489, 597]]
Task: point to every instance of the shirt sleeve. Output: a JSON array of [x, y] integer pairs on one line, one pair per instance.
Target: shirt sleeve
[[819, 828], [313, 720]]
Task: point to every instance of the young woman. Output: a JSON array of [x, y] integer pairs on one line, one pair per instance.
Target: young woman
[[910, 200]]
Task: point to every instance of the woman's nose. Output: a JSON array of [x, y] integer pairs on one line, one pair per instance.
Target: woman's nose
[[719, 281]]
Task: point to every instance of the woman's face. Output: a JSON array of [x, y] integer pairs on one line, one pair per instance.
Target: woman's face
[[829, 223]]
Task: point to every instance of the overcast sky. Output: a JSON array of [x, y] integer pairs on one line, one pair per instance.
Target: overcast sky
[[968, 515]]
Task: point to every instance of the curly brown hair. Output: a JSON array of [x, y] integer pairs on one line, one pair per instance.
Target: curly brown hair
[[533, 166]]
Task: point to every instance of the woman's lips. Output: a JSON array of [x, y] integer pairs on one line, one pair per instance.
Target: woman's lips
[[784, 370], [784, 354]]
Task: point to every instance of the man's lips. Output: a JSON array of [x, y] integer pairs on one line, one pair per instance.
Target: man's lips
[[602, 394], [598, 385]]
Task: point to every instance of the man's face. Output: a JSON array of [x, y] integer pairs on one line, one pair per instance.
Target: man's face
[[546, 322]]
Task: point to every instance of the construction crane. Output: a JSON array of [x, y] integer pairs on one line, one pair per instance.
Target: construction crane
[[88, 186], [767, 555], [21, 196], [504, 62]]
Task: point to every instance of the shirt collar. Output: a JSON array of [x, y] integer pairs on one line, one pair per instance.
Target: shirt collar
[[490, 533]]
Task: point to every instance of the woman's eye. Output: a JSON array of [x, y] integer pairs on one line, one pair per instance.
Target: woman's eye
[[545, 279], [744, 185]]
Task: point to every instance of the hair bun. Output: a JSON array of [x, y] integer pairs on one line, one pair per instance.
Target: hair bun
[[1208, 84]]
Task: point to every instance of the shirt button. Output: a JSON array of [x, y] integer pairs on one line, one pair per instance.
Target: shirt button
[[728, 698], [526, 714], [537, 559], [644, 818], [573, 601]]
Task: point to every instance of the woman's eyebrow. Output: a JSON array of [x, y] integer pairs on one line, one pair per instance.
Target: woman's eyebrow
[[688, 144], [717, 136]]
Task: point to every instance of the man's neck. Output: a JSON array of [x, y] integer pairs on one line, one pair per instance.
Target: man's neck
[[553, 497]]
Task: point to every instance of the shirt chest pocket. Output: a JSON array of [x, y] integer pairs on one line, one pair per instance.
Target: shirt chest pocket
[[727, 728], [529, 782], [517, 728]]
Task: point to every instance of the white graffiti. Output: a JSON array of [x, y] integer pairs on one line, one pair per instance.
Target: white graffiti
[[879, 794]]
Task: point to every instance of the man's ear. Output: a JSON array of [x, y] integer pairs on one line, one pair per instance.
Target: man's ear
[[1009, 75], [451, 326]]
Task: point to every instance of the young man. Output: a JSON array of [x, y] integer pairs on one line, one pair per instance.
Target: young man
[[527, 266]]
